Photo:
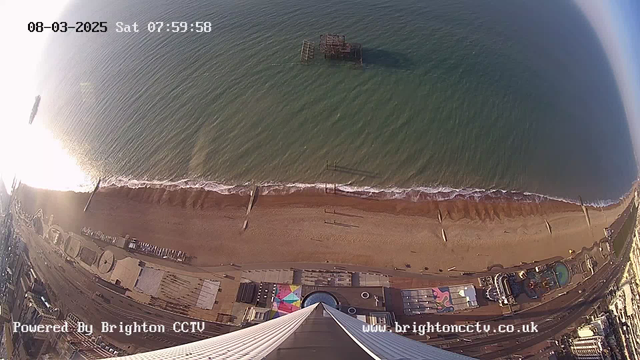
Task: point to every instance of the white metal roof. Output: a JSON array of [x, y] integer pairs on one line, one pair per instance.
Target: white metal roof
[[387, 345], [254, 342], [258, 341]]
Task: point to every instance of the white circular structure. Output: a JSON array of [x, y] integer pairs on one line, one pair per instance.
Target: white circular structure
[[352, 311], [105, 263], [365, 295]]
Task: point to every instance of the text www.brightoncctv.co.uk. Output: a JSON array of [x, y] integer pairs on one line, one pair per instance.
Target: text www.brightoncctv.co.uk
[[437, 328]]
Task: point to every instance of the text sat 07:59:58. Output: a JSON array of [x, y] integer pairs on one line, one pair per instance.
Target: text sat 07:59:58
[[160, 26]]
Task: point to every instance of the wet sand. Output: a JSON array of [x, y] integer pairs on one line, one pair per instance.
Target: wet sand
[[302, 227]]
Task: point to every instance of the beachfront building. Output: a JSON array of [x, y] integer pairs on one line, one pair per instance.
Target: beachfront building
[[34, 310], [593, 347], [265, 301], [505, 288], [624, 305], [441, 299], [598, 327], [625, 319], [320, 330], [505, 294]]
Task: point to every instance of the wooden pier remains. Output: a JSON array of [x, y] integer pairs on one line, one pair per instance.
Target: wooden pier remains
[[332, 46], [307, 52], [336, 47]]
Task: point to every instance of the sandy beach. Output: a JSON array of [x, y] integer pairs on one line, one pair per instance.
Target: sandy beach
[[311, 226]]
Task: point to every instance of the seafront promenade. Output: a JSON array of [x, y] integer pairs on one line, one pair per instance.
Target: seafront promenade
[[154, 286], [110, 273]]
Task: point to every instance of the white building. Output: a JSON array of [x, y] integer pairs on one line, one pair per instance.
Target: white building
[[598, 327], [592, 347]]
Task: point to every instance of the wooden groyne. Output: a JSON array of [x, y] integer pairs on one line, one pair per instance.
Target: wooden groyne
[[585, 211], [86, 207], [252, 200]]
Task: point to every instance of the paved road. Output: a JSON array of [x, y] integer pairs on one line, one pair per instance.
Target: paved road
[[432, 274], [75, 291]]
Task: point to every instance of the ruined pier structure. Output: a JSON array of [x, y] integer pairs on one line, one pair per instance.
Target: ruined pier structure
[[332, 46]]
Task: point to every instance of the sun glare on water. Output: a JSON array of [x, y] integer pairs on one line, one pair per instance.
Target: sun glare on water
[[30, 152], [39, 160]]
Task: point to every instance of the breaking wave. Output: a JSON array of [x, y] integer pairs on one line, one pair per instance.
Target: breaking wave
[[439, 193]]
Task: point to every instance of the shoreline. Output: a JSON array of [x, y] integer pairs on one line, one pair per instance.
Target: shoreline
[[454, 209], [418, 193], [311, 226]]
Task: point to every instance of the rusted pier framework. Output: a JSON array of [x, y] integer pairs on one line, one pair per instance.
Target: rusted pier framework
[[335, 46], [307, 52], [332, 46]]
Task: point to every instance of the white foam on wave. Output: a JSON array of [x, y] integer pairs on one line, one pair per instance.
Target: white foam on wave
[[440, 193], [179, 184]]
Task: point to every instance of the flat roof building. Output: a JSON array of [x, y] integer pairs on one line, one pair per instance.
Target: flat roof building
[[126, 273], [441, 299], [593, 347]]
